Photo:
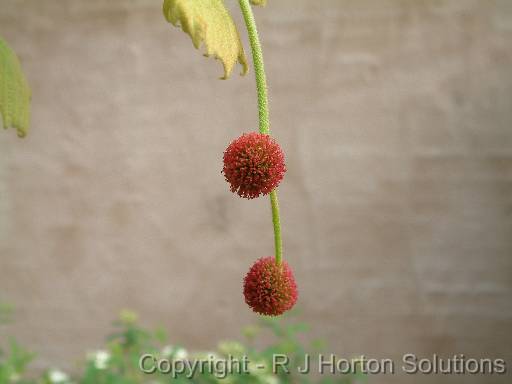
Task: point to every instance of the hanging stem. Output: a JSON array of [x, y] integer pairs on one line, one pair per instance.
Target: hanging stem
[[259, 69], [261, 86], [278, 243]]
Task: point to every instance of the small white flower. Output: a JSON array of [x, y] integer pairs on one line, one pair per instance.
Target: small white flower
[[101, 359], [167, 350], [180, 354], [57, 377]]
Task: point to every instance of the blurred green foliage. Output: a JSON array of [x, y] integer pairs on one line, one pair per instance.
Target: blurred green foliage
[[118, 362]]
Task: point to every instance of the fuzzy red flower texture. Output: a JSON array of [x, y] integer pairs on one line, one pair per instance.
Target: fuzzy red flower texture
[[269, 288], [253, 165]]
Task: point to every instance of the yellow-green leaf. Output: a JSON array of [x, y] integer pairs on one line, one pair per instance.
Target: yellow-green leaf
[[14, 92], [259, 2], [209, 21]]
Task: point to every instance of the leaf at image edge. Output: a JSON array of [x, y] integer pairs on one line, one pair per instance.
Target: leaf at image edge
[[259, 2], [209, 21], [14, 92]]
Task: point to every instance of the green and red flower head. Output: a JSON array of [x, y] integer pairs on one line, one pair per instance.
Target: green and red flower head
[[253, 165], [269, 288]]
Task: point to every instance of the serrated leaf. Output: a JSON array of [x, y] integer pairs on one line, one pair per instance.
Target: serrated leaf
[[259, 2], [209, 21], [14, 92]]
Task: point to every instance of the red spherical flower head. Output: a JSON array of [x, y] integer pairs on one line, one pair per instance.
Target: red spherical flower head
[[253, 165], [269, 288]]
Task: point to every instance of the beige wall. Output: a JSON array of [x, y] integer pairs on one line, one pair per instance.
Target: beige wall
[[396, 120]]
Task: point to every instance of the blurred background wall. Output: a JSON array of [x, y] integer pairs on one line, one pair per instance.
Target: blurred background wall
[[396, 120]]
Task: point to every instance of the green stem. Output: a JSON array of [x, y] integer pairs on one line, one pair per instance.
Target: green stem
[[261, 86], [278, 243], [259, 69]]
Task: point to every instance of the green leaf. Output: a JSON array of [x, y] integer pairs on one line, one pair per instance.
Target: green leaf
[[209, 21], [14, 92], [259, 2]]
